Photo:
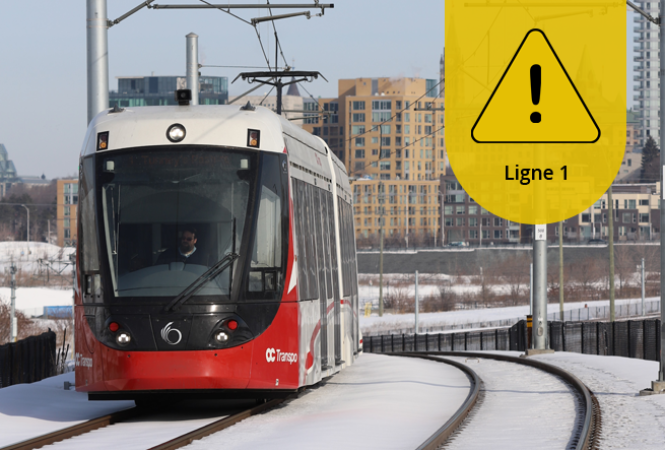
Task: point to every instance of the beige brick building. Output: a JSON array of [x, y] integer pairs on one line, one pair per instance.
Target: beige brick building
[[67, 200], [389, 133]]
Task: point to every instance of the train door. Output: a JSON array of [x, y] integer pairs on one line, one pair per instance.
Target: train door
[[317, 222], [334, 293]]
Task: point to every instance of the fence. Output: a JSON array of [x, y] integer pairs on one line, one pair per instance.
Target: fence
[[28, 360], [603, 312], [632, 339], [591, 313]]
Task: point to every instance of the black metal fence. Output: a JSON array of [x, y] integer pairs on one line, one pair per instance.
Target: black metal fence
[[632, 339], [28, 360]]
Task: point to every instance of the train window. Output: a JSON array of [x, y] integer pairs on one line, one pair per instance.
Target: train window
[[326, 240], [90, 255], [320, 247], [312, 268], [333, 245], [299, 207], [169, 216]]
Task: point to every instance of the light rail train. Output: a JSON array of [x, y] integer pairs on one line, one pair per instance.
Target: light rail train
[[216, 256]]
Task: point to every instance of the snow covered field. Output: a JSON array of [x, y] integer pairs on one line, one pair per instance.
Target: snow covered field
[[390, 322], [26, 255], [31, 300]]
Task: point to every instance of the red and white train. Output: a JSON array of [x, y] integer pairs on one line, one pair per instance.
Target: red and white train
[[216, 255]]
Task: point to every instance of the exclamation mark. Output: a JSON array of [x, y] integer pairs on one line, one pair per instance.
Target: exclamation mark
[[535, 91]]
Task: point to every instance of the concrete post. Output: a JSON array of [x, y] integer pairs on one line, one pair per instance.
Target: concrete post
[[12, 319], [193, 66], [540, 288], [97, 57], [416, 302]]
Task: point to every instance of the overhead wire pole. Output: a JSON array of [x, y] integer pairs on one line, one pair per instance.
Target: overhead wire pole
[[658, 386]]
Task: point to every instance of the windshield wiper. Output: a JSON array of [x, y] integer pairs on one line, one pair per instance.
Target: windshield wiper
[[201, 281]]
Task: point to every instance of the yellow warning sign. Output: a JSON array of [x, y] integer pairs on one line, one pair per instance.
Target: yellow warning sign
[[535, 101]]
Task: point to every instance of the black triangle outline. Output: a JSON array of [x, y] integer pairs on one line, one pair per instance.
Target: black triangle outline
[[501, 80]]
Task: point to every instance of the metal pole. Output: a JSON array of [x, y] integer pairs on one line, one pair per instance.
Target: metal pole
[[193, 66], [97, 57], [561, 270], [28, 233], [610, 211], [12, 318], [540, 288], [531, 289], [642, 286], [661, 373], [416, 302], [381, 272]]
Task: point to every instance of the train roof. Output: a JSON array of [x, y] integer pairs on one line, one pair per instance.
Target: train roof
[[205, 125], [226, 125]]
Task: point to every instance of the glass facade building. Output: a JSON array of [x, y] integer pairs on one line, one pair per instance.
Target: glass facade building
[[159, 91], [646, 69]]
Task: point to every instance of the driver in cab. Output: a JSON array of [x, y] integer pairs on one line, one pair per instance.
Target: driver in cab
[[186, 252]]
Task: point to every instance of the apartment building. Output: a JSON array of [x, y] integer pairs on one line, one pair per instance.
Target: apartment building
[[636, 217], [389, 134], [465, 221], [67, 204]]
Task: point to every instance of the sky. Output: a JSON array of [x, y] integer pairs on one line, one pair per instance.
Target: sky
[[43, 108]]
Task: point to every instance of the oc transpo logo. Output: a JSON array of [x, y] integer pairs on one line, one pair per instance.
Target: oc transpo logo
[[273, 355], [166, 333]]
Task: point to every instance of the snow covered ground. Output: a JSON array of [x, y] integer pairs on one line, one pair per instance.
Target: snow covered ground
[[26, 255], [629, 421], [31, 300], [520, 404], [391, 322], [30, 410], [378, 402]]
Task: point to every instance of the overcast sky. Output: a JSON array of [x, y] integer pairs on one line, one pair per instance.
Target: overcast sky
[[43, 58]]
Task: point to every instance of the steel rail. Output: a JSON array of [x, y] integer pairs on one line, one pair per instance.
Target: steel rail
[[586, 433], [120, 416], [73, 431], [216, 426], [447, 429]]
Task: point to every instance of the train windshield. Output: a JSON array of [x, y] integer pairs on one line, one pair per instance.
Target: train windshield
[[170, 216]]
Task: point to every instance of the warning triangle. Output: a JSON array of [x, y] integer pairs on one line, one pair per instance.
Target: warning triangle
[[535, 101]]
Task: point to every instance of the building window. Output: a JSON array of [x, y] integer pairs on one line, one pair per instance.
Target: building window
[[358, 117], [586, 218], [460, 221], [360, 153], [626, 217], [459, 210], [473, 234], [473, 209], [356, 129], [360, 165], [358, 106], [66, 210], [473, 222], [498, 234], [498, 222], [644, 218], [384, 165]]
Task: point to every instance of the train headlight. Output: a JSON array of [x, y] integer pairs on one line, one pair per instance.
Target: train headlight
[[221, 337], [176, 133], [123, 338]]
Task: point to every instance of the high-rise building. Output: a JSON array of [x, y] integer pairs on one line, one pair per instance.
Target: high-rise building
[[647, 67], [160, 90], [389, 133], [67, 200], [8, 175]]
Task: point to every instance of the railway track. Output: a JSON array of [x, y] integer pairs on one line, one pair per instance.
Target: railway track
[[132, 413], [587, 423]]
